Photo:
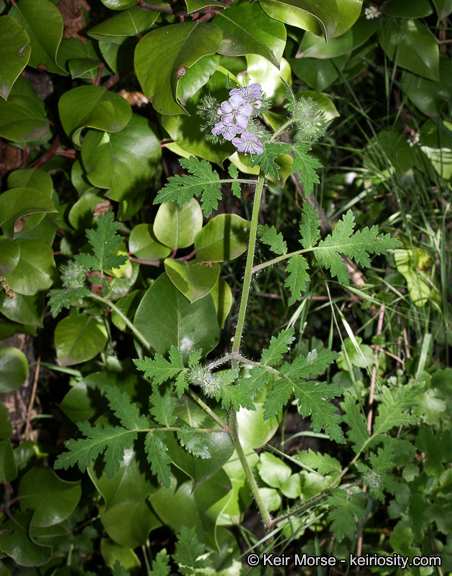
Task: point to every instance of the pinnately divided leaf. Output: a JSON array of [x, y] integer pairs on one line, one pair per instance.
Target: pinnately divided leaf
[[104, 241], [356, 246], [157, 456], [238, 396], [163, 406], [193, 442], [203, 180], [312, 397], [278, 346], [346, 510], [83, 451], [125, 410], [354, 418], [323, 463], [64, 298], [160, 566], [306, 165], [296, 280], [394, 405], [235, 186], [309, 227], [267, 159], [188, 553], [274, 239], [160, 369]]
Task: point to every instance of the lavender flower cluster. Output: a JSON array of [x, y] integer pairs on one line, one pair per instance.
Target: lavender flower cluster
[[236, 115]]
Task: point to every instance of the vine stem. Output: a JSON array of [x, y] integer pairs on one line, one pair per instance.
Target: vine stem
[[249, 263], [234, 434], [206, 408], [233, 424], [135, 330]]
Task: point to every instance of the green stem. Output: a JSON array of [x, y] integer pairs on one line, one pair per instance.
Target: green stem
[[280, 259], [282, 129], [233, 428], [233, 432], [136, 332], [314, 501], [209, 411], [249, 263], [286, 125]]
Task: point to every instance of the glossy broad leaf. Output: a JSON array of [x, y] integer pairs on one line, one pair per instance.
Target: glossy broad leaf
[[19, 202], [222, 298], [195, 508], [406, 8], [13, 369], [119, 4], [196, 77], [125, 161], [79, 338], [115, 555], [9, 255], [43, 23], [166, 318], [263, 72], [23, 118], [92, 107], [317, 17], [14, 53], [319, 74], [219, 446], [195, 5], [80, 58], [225, 237], [247, 29], [16, 541], [52, 499], [86, 400], [189, 139], [193, 279], [127, 516], [177, 227], [429, 96], [81, 215], [254, 430], [144, 244], [162, 56], [8, 466], [127, 23], [313, 47], [349, 11], [443, 7], [27, 310], [410, 45], [36, 268]]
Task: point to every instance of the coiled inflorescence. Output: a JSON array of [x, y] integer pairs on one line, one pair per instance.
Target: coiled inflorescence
[[234, 119]]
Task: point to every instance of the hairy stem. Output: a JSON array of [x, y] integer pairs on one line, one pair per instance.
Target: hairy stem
[[233, 432], [249, 263], [236, 346], [209, 411], [135, 330]]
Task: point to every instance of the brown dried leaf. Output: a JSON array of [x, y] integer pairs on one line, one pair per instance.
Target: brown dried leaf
[[10, 158], [134, 98], [73, 17], [101, 208]]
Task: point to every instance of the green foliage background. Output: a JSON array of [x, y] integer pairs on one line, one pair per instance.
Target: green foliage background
[[135, 436]]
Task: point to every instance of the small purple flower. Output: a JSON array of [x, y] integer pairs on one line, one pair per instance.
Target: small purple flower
[[236, 109], [228, 131], [247, 92], [248, 144]]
